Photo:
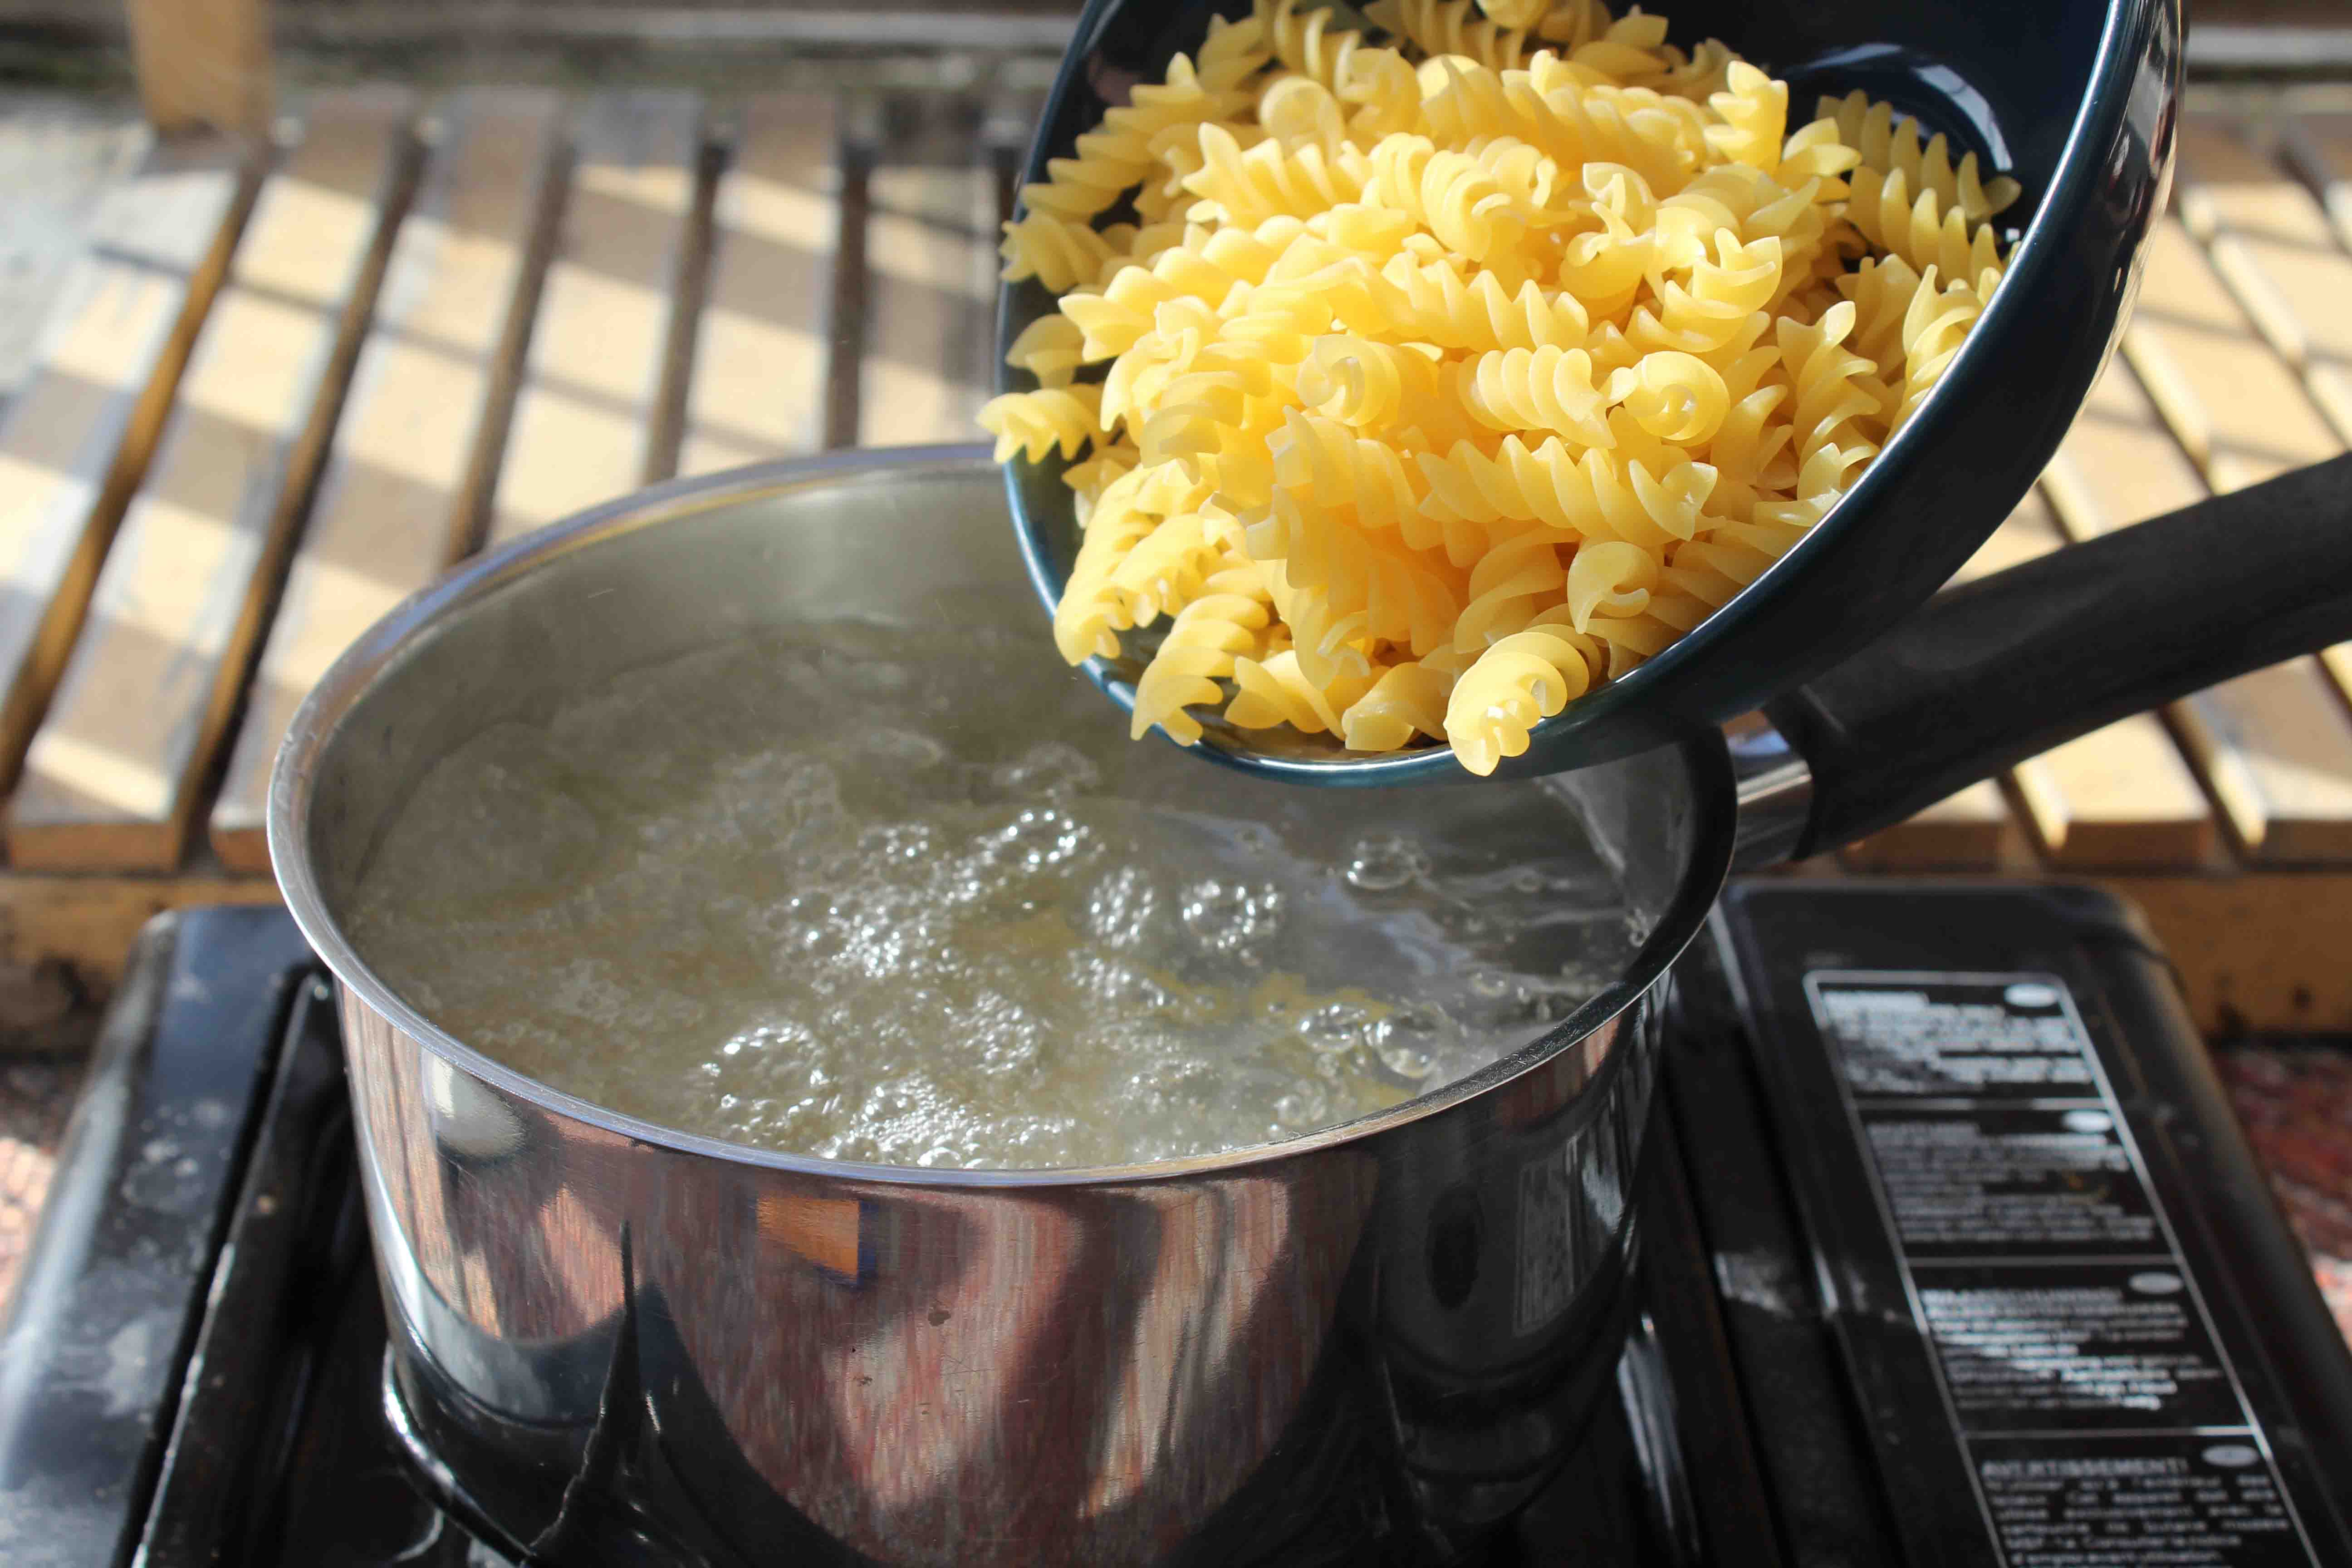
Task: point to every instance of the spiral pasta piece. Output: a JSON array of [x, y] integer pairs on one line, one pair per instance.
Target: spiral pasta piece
[[1438, 304], [1507, 587], [1676, 397], [1057, 252], [1452, 27], [1521, 680], [1406, 701], [1408, 388], [1547, 388], [1829, 393], [1477, 205], [1754, 111], [1063, 419], [1203, 642], [1248, 185], [1092, 612], [1933, 330], [1304, 38], [1891, 146], [1701, 316], [1274, 690], [1594, 495], [1049, 348], [1611, 578], [1922, 230]]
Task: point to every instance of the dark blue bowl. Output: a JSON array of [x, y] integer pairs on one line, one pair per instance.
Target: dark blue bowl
[[2075, 98]]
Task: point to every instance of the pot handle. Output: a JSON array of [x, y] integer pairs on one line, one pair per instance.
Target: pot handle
[[1998, 670]]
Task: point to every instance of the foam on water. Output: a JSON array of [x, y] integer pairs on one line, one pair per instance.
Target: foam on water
[[860, 892]]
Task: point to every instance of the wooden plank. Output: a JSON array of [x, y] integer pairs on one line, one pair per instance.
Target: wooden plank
[[2312, 279], [585, 423], [112, 773], [930, 275], [2274, 748], [762, 349], [408, 472], [77, 438], [2269, 241], [1970, 830], [2235, 407], [2318, 147], [201, 64], [2120, 795], [59, 152]]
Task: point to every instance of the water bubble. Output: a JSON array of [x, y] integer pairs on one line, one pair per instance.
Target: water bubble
[[1052, 771], [1300, 1109], [1256, 838], [1408, 1041], [890, 844], [1042, 839], [1227, 917], [769, 797], [1333, 1028], [1492, 984], [1119, 910], [1383, 862], [904, 749], [1526, 879], [1005, 1035]]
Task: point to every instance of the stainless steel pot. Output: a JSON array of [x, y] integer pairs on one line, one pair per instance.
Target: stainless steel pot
[[615, 1343], [622, 1343]]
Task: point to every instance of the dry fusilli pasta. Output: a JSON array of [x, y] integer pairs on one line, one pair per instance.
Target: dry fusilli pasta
[[1412, 384]]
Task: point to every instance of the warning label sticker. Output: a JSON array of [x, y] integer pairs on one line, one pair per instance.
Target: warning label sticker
[[2182, 1500], [1936, 1037], [2077, 1361], [2010, 1180], [2072, 1346]]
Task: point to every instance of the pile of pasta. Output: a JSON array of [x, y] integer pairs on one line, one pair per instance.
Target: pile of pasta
[[1416, 388]]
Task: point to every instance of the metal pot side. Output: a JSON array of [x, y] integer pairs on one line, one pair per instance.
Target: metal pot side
[[1384, 1337]]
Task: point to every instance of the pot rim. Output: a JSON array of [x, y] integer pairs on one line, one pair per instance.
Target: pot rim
[[379, 650]]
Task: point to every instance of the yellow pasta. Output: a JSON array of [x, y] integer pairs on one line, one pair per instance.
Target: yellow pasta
[[1413, 384]]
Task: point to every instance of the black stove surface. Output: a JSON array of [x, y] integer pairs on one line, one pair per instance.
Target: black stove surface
[[1950, 1255]]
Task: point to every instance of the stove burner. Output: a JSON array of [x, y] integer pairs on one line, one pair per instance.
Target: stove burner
[[1899, 1125]]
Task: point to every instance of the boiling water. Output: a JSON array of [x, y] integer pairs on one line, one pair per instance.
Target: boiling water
[[895, 894]]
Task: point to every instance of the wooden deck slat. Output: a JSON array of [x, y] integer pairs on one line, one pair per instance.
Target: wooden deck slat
[[2319, 150], [59, 154], [930, 270], [2271, 243], [1970, 830], [77, 437], [2274, 748], [111, 776], [407, 477], [587, 421], [762, 349]]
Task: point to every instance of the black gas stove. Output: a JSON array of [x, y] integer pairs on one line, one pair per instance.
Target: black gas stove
[[1953, 1255]]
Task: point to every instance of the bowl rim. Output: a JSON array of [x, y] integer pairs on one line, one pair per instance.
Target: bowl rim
[[378, 654]]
